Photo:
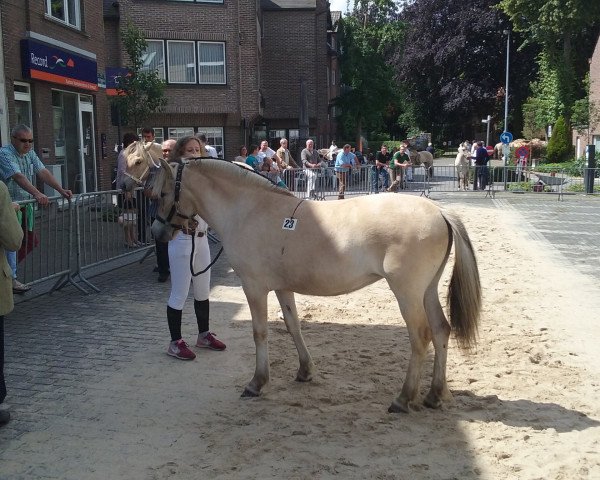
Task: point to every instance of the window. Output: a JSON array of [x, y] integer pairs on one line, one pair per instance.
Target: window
[[23, 104], [214, 137], [154, 58], [179, 132], [275, 136], [199, 1], [158, 134], [181, 60], [66, 11], [211, 62], [182, 66]]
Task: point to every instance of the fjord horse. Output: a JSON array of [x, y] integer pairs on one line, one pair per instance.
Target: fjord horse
[[408, 245]]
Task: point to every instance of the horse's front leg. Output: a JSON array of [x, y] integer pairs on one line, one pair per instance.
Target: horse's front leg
[[290, 316], [258, 310]]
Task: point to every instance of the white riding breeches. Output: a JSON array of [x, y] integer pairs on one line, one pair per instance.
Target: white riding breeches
[[311, 179], [180, 249]]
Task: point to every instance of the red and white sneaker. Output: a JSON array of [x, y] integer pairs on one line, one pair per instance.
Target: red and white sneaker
[[180, 350], [209, 341]]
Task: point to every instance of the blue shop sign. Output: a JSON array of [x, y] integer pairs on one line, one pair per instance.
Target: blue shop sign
[[51, 64], [112, 76]]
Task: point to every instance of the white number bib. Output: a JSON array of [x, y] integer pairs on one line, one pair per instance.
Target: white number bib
[[289, 223]]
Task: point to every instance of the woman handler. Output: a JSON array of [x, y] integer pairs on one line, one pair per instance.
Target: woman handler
[[180, 249]]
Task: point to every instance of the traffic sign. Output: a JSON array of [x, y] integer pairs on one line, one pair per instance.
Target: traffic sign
[[506, 137], [522, 152]]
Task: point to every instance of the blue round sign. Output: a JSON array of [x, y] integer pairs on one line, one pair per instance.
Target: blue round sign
[[506, 137]]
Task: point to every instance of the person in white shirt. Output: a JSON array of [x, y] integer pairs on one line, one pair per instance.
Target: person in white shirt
[[264, 151], [210, 151]]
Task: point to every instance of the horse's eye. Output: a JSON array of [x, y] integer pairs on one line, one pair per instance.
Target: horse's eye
[[138, 162]]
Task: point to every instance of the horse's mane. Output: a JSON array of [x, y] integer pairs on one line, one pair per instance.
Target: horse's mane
[[250, 177]]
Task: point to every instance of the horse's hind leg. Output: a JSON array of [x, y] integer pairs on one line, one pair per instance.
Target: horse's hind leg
[[440, 331], [419, 334], [290, 316], [258, 309]]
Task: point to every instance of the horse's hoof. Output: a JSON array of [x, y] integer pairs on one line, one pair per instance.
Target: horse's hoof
[[432, 401], [397, 408], [303, 378], [247, 393]]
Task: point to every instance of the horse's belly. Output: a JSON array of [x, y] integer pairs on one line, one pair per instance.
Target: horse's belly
[[317, 278]]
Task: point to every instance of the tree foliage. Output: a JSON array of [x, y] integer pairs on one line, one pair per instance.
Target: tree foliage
[[141, 92], [544, 105], [557, 26], [452, 66], [559, 145], [368, 34]]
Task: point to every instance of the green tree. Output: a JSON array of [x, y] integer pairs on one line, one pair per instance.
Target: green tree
[[584, 111], [559, 146], [558, 25], [141, 91], [452, 65], [369, 88], [544, 105]]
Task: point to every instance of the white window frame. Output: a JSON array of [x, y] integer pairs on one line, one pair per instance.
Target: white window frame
[[212, 133], [197, 1], [180, 132], [164, 71], [158, 134], [223, 62], [72, 22], [23, 94], [162, 63], [195, 80]]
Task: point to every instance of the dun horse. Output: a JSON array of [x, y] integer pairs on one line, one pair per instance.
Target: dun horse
[[404, 239], [141, 157], [422, 158]]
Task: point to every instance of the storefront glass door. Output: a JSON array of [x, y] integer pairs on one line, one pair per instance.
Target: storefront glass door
[[88, 153], [74, 143]]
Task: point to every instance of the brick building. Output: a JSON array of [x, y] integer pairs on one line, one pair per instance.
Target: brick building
[[235, 70], [51, 54], [238, 70]]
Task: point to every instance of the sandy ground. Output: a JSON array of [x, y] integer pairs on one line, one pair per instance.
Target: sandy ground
[[525, 402]]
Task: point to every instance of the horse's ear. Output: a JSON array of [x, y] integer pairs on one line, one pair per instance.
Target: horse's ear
[[165, 166]]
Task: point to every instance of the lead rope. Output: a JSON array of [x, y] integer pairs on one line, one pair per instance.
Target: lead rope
[[192, 258]]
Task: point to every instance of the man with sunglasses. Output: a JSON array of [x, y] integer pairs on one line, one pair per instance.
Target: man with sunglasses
[[20, 168]]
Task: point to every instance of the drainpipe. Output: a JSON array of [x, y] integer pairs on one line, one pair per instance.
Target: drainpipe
[[4, 132]]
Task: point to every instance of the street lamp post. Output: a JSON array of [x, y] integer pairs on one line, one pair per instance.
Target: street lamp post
[[505, 147], [507, 33], [487, 137]]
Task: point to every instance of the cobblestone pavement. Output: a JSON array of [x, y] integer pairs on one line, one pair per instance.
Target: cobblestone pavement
[[62, 348], [571, 226]]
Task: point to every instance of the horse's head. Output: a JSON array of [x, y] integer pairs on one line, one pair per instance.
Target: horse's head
[[140, 158]]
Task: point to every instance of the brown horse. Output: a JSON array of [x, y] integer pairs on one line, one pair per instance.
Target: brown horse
[[357, 246]]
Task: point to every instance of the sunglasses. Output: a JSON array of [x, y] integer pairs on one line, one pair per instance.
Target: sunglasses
[[24, 140]]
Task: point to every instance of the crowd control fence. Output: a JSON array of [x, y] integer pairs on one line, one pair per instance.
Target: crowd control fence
[[69, 241], [66, 239]]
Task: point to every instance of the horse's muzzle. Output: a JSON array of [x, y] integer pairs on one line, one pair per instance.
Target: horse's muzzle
[[162, 232]]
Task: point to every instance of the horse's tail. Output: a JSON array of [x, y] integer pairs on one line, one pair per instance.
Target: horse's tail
[[464, 291]]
